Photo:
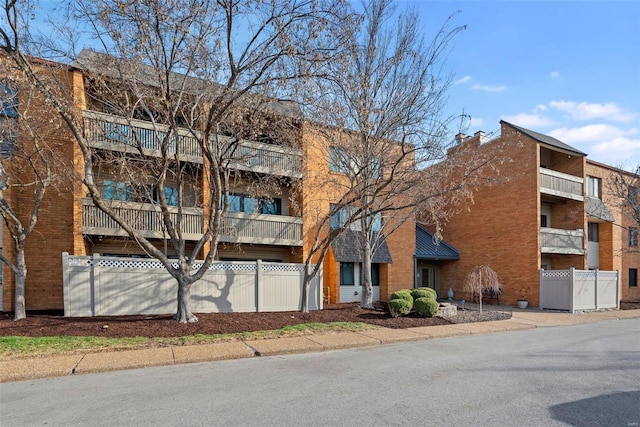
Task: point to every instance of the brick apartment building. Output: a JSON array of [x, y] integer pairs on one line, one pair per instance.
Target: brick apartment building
[[552, 209], [270, 225]]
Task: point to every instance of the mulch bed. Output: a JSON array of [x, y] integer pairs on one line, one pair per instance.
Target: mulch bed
[[39, 324]]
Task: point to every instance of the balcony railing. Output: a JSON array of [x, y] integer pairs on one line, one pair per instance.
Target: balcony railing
[[236, 227], [561, 184], [261, 229], [109, 132], [559, 241]]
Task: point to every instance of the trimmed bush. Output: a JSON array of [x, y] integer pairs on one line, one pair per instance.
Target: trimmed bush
[[402, 294], [424, 293], [400, 307], [426, 306], [431, 291]]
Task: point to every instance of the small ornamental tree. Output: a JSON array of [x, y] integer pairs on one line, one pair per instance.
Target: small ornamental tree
[[482, 278]]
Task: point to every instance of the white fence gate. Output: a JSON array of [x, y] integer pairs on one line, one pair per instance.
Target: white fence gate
[[579, 289], [110, 286]]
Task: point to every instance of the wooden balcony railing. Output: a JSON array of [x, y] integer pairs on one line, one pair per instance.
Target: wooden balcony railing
[[109, 132], [558, 241], [236, 227], [561, 184]]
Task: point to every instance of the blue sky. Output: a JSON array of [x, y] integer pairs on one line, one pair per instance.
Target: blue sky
[[569, 69]]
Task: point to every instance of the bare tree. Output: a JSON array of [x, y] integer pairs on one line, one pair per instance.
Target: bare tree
[[163, 57], [482, 278], [387, 92], [28, 168], [625, 187]]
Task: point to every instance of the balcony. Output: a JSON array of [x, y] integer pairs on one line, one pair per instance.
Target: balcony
[[109, 132], [561, 184], [236, 227], [261, 229], [558, 241]]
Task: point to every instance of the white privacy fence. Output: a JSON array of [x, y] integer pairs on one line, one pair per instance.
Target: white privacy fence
[[109, 286], [579, 289]]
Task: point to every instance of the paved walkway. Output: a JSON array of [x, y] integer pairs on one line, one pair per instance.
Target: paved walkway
[[41, 367]]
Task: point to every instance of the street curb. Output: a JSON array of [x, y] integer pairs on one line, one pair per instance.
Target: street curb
[[27, 368]]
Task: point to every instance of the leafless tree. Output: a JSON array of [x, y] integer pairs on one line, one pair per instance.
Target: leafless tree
[[482, 278], [388, 93], [163, 57], [28, 168], [624, 186]]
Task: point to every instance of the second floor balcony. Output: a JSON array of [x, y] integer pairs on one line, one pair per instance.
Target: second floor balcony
[[560, 184], [236, 227], [560, 241], [109, 132]]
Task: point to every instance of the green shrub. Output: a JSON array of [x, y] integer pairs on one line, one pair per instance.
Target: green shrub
[[431, 291], [426, 306], [424, 293], [400, 307], [402, 294]]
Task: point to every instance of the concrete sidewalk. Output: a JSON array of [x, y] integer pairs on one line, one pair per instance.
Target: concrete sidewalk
[[42, 367]]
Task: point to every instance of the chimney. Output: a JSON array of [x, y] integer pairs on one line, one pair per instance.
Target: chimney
[[459, 138], [481, 136]]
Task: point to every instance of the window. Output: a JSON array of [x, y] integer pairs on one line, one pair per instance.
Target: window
[[338, 161], [340, 218], [112, 190], [8, 100], [633, 277], [347, 276], [592, 230], [633, 194], [344, 162], [543, 221], [594, 186], [171, 196], [633, 236], [247, 204]]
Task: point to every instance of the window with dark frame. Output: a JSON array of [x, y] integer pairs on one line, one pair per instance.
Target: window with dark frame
[[633, 236], [594, 187], [592, 229], [248, 204], [8, 100], [633, 277], [347, 276]]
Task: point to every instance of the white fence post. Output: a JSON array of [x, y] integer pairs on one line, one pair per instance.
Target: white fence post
[[95, 272], [595, 288], [572, 279], [65, 283], [541, 293], [258, 281]]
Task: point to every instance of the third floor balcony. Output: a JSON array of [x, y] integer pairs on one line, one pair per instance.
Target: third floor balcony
[[109, 132], [560, 184]]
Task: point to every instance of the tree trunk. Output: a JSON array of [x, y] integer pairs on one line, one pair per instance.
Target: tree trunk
[[20, 278], [306, 283], [367, 286], [183, 314]]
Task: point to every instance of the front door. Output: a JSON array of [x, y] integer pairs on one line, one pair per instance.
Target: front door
[[429, 277]]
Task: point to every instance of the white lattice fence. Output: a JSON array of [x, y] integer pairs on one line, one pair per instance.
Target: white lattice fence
[[573, 289], [107, 286]]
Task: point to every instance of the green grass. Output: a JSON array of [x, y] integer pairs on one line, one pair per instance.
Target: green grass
[[18, 346]]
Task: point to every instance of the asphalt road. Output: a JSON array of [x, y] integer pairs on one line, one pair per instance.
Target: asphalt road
[[584, 375]]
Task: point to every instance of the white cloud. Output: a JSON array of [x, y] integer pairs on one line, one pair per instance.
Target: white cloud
[[465, 79], [531, 121], [488, 88], [587, 111], [554, 75], [618, 151], [591, 133], [604, 143]]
